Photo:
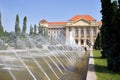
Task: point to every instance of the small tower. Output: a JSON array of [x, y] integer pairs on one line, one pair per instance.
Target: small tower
[[43, 27], [43, 23]]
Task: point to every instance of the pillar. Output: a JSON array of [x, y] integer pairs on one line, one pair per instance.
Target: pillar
[[79, 36], [67, 33], [84, 36], [91, 35], [73, 31]]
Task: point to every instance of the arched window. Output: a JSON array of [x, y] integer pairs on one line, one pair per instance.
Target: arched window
[[76, 40], [82, 41], [87, 41]]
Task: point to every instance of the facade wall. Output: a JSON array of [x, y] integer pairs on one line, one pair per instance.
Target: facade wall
[[53, 33], [82, 34]]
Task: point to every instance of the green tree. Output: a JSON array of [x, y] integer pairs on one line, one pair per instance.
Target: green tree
[[46, 32], [40, 29], [106, 29], [1, 27], [6, 33], [114, 55], [17, 27], [31, 30], [24, 25], [110, 32], [35, 29], [97, 45]]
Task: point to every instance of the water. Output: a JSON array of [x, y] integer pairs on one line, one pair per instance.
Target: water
[[71, 40], [38, 59]]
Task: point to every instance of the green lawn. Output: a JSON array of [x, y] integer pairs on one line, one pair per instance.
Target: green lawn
[[101, 68]]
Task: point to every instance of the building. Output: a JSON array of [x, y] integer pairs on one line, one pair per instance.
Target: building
[[84, 28]]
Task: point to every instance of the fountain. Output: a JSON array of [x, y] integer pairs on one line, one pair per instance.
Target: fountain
[[2, 45], [29, 61], [71, 41]]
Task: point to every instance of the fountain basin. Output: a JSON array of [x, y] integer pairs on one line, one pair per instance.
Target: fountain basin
[[43, 65]]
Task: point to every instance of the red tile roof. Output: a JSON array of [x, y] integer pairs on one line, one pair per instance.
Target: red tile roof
[[74, 18], [99, 23], [85, 17], [43, 20], [57, 23]]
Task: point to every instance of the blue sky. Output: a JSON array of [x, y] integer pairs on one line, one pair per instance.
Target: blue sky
[[51, 10]]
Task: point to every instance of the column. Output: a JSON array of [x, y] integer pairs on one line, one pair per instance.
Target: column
[[67, 33], [84, 36], [79, 36], [73, 31], [91, 35]]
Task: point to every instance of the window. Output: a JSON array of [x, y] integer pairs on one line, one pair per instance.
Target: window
[[87, 32], [94, 32], [82, 41], [70, 29], [76, 32], [82, 32], [76, 40]]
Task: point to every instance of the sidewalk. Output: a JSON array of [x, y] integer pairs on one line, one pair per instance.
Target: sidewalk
[[91, 70]]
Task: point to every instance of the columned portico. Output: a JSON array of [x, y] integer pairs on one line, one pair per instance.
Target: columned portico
[[85, 37]]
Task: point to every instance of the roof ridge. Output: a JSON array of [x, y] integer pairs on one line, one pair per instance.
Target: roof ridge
[[56, 22], [83, 16]]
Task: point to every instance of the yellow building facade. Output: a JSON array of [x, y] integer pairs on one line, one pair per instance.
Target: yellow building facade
[[84, 29]]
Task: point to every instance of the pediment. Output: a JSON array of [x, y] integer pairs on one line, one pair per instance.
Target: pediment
[[81, 22]]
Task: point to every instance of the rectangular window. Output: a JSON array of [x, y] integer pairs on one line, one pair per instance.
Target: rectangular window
[[82, 32], [87, 32], [94, 32], [70, 29], [76, 32]]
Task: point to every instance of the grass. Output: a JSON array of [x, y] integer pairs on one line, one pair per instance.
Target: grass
[[101, 68]]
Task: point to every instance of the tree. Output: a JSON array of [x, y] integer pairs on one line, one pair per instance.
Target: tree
[[17, 27], [106, 29], [97, 45], [40, 29], [46, 32], [31, 30], [24, 25], [1, 27], [114, 55], [6, 33], [110, 32], [35, 29]]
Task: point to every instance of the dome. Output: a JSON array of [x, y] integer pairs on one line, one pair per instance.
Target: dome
[[43, 21]]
